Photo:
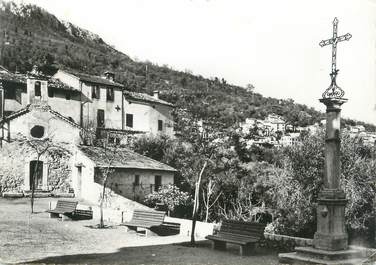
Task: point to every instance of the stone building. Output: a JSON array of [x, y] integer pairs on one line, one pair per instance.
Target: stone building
[[94, 102], [133, 176], [66, 165], [18, 157]]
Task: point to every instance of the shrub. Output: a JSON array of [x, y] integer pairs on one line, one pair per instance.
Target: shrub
[[178, 203]]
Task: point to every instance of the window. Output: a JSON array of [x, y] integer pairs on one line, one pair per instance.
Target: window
[[67, 95], [50, 92], [110, 94], [100, 118], [37, 131], [129, 120], [95, 92], [1, 103], [160, 125], [37, 89], [137, 180], [157, 182]]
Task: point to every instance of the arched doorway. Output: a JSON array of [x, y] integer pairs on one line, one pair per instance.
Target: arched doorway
[[36, 174]]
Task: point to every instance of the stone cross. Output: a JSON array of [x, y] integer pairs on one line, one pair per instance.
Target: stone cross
[[330, 242], [331, 234]]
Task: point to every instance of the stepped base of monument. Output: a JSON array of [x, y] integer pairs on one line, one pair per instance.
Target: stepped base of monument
[[310, 255]]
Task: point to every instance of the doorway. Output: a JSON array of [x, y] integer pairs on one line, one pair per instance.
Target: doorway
[[79, 181], [36, 174], [157, 182], [100, 118]]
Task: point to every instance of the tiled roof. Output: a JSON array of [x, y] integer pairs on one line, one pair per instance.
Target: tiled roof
[[21, 79], [93, 78], [56, 83], [145, 98], [10, 77], [123, 158]]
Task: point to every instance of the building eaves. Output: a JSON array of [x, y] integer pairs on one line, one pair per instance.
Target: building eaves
[[142, 97], [28, 108], [93, 79], [21, 79]]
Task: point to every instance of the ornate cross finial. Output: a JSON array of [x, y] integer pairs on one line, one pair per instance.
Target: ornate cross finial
[[334, 91]]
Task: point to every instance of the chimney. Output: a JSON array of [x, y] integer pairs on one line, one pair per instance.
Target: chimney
[[156, 94], [109, 75]]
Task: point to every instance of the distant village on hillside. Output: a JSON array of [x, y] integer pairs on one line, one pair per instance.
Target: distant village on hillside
[[275, 131]]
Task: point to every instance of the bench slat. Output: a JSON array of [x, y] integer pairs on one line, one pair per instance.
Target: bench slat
[[241, 233], [146, 219]]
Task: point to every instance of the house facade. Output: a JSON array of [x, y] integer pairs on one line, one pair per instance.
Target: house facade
[[95, 103], [43, 147], [109, 106], [37, 148], [19, 90], [133, 176]]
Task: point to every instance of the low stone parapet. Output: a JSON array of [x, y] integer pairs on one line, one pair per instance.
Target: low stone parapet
[[12, 194], [289, 240]]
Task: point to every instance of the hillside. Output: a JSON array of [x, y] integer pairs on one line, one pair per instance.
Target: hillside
[[30, 35]]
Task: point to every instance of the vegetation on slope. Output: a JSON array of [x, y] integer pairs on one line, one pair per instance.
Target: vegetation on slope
[[30, 35]]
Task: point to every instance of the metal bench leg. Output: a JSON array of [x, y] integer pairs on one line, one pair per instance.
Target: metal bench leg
[[65, 218], [246, 249], [220, 245], [54, 215]]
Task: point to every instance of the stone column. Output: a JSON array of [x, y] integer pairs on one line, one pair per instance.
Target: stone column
[[331, 231]]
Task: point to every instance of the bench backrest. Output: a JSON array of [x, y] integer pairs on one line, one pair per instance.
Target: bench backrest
[[66, 206], [242, 228], [152, 218]]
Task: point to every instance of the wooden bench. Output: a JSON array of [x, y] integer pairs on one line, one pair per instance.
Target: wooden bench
[[82, 214], [245, 234], [146, 220], [64, 208]]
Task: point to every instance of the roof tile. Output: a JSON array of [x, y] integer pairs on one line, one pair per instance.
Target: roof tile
[[122, 158]]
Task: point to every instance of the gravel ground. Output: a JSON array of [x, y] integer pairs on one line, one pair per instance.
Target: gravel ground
[[37, 239]]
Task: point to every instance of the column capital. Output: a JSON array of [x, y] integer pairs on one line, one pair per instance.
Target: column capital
[[333, 104]]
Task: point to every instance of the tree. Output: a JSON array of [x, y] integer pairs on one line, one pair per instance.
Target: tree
[[207, 196], [40, 147], [109, 154]]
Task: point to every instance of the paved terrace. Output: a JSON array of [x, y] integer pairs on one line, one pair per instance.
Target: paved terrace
[[26, 238]]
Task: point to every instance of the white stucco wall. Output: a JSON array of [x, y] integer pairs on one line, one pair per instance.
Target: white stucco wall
[[120, 182], [30, 87], [12, 104], [145, 117], [67, 78], [85, 188], [56, 129], [113, 117], [67, 108]]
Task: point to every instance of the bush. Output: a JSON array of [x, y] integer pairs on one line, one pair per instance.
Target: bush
[[178, 203]]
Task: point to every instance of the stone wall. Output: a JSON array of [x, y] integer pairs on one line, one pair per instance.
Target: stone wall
[[14, 164], [59, 171]]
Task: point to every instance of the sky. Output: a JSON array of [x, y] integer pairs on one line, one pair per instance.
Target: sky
[[272, 44]]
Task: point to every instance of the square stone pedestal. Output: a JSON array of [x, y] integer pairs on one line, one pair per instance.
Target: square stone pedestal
[[310, 255]]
